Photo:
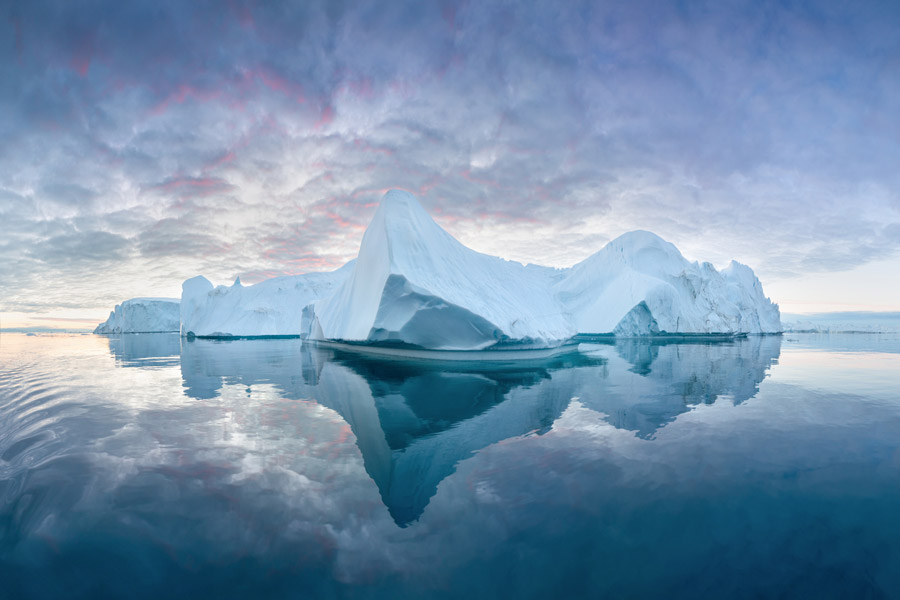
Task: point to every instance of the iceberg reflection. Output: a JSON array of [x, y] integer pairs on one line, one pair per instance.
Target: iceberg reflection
[[146, 349], [415, 421], [649, 383]]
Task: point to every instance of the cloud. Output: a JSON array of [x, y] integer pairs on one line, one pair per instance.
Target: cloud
[[258, 138], [79, 247], [175, 237], [67, 194]]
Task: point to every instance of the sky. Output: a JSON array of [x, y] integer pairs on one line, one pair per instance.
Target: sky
[[143, 143]]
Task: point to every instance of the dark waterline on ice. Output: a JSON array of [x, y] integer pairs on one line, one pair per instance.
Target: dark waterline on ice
[[155, 466]]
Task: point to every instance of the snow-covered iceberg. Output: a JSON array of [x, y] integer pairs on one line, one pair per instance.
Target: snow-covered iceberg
[[640, 284], [270, 308], [414, 284], [142, 315]]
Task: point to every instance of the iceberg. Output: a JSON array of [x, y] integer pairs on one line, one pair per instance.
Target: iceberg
[[640, 284], [413, 287], [142, 315], [271, 308], [413, 284], [843, 322]]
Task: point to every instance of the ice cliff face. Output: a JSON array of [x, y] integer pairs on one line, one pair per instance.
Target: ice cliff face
[[142, 315], [414, 283], [269, 308], [639, 284]]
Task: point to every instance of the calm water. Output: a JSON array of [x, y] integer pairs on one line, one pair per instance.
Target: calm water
[[147, 466]]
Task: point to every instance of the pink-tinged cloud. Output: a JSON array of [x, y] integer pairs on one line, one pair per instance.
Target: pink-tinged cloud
[[276, 82], [296, 260], [326, 116], [342, 222], [431, 183], [81, 63], [222, 160], [243, 13], [364, 146], [377, 192], [82, 55], [442, 216], [354, 85], [182, 94], [233, 92], [342, 215], [468, 176], [448, 13]]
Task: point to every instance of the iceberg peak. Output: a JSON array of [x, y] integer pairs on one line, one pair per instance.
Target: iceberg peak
[[635, 241], [404, 230], [414, 283], [640, 284], [395, 200]]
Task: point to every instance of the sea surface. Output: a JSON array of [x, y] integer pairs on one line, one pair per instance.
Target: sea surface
[[147, 466]]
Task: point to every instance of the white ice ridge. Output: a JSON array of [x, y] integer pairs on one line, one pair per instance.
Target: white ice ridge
[[640, 284], [142, 315], [414, 283], [270, 308]]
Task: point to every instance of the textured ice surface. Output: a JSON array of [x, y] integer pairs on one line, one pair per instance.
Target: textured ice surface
[[142, 315], [270, 308], [639, 284], [414, 283]]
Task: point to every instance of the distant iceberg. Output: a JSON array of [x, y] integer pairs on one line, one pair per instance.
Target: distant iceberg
[[143, 315], [843, 322]]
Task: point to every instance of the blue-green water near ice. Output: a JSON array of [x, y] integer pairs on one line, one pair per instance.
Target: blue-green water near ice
[[147, 466]]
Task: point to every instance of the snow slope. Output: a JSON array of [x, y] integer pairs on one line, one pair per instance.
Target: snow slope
[[142, 315], [269, 308], [639, 284], [414, 283]]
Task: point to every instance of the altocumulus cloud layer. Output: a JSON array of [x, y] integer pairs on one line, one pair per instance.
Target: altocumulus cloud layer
[[146, 142]]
